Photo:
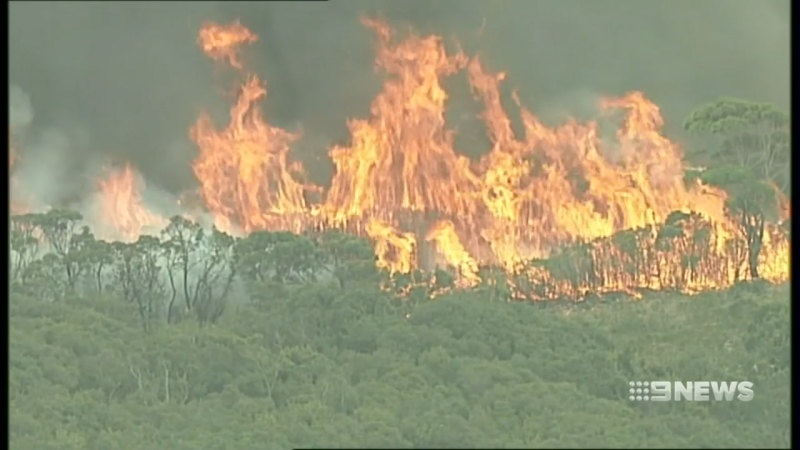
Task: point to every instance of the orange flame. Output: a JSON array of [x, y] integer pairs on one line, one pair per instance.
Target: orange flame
[[122, 207], [222, 42], [245, 175], [395, 250], [443, 233], [528, 197], [246, 178], [403, 159]]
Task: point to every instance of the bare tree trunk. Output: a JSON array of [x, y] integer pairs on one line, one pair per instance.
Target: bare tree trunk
[[166, 382], [754, 229], [137, 374], [174, 293], [185, 382], [99, 277], [186, 283]]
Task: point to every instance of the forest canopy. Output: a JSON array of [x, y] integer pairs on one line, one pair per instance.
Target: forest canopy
[[320, 366]]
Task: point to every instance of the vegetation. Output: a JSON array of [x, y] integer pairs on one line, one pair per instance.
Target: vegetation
[[318, 365], [190, 270], [195, 339], [749, 135]]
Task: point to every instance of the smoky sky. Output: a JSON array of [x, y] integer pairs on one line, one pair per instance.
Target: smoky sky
[[125, 81]]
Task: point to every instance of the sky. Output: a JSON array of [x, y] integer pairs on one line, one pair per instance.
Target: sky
[[98, 82]]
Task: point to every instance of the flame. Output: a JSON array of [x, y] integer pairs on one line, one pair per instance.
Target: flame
[[400, 181], [402, 159], [556, 185], [443, 233], [395, 250], [222, 42], [784, 203], [122, 208], [247, 181], [562, 210]]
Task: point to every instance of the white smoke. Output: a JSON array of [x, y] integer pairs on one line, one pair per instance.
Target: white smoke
[[582, 105], [40, 168], [20, 110], [44, 174]]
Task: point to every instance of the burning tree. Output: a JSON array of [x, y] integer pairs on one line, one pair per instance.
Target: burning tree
[[552, 194], [752, 202], [547, 212]]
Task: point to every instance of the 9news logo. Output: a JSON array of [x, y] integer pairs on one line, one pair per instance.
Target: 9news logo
[[691, 391]]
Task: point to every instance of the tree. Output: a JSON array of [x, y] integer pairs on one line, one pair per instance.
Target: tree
[[138, 276], [58, 227], [754, 135], [44, 277], [251, 254], [98, 255], [24, 242], [215, 275], [751, 201], [683, 241], [348, 258], [283, 256], [460, 371], [202, 263], [181, 243], [77, 258], [295, 258]]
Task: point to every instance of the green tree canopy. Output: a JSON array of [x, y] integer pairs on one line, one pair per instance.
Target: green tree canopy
[[751, 135]]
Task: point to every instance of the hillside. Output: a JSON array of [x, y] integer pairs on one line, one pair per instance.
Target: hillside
[[319, 365], [452, 227]]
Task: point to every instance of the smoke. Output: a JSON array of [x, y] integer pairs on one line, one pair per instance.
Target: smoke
[[132, 77], [39, 169], [581, 104], [40, 155], [46, 174], [20, 111]]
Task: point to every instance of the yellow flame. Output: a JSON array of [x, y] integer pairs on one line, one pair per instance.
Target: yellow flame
[[122, 207]]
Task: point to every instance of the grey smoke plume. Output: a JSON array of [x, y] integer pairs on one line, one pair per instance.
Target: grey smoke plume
[[20, 111], [131, 77]]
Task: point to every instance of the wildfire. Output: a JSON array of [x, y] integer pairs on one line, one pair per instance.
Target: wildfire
[[443, 233], [402, 159], [554, 211], [246, 178], [121, 206], [552, 191], [395, 250]]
